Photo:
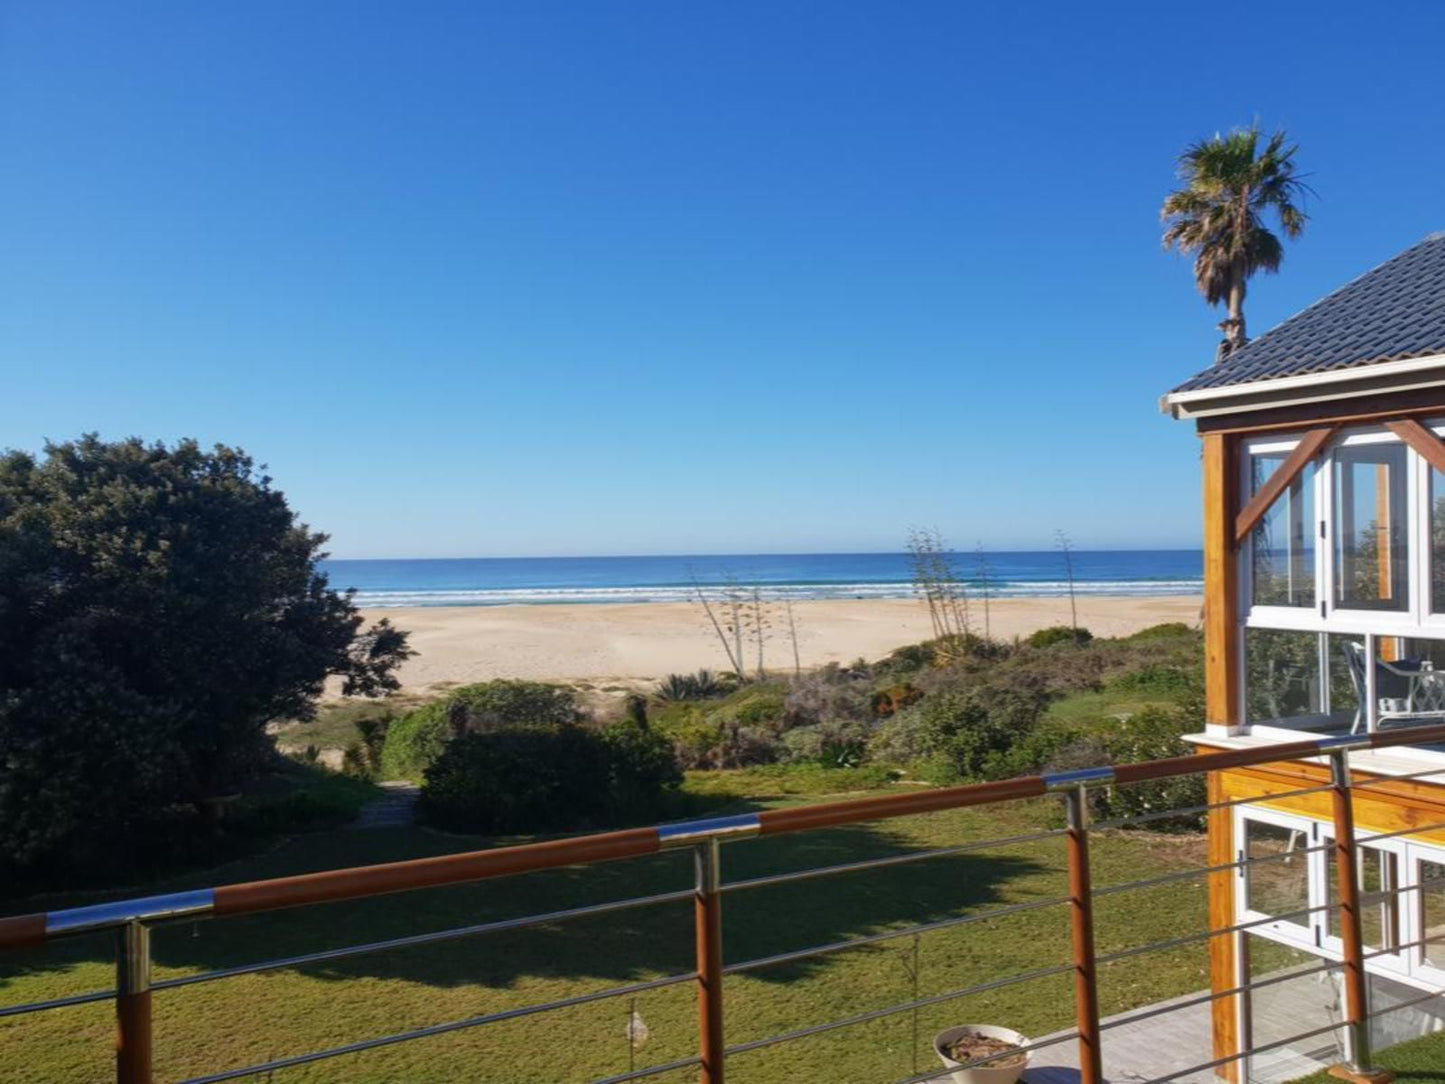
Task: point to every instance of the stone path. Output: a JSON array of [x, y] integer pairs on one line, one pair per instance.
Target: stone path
[[395, 808]]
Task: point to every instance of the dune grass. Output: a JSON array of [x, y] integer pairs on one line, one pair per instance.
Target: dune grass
[[237, 1021]]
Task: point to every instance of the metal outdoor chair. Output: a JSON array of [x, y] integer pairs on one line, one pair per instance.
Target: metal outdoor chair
[[1404, 689]]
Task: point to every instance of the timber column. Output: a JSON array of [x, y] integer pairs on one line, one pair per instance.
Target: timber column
[[1221, 709]]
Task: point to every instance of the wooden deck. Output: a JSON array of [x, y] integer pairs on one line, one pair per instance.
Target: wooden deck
[[1175, 1040]]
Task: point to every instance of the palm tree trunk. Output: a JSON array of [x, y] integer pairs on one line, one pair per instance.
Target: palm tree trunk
[[1234, 326]]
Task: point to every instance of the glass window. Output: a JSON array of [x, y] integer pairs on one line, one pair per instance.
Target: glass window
[[1281, 675], [1378, 872], [1345, 651], [1283, 550], [1371, 571], [1279, 885], [1432, 911]]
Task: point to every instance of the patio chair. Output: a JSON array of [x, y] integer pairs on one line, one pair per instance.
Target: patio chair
[[1413, 683]]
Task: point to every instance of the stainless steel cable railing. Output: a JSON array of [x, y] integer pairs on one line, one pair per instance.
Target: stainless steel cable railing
[[132, 920]]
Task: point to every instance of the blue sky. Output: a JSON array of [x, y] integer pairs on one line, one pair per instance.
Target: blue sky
[[624, 277]]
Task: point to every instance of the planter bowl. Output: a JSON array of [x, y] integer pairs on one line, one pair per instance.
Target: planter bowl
[[980, 1074]]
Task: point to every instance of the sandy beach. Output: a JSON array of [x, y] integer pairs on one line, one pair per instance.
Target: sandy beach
[[642, 642]]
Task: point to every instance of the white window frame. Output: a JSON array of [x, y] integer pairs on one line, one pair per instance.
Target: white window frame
[[1276, 616], [1313, 936], [1300, 933], [1413, 913], [1378, 621], [1417, 621]]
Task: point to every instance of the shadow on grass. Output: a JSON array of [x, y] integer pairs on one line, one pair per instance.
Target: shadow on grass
[[617, 947]]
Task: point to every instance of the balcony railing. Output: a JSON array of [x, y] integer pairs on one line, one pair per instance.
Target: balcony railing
[[132, 920]]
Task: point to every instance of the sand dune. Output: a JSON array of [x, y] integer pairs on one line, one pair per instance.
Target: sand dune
[[640, 642]]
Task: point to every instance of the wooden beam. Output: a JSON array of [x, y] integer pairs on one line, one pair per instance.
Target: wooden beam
[[1430, 447], [1221, 582], [1308, 447]]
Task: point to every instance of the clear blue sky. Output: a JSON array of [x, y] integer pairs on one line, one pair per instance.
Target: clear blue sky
[[623, 277]]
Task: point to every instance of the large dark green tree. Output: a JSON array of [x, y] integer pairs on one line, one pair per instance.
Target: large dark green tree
[[159, 605], [1232, 187]]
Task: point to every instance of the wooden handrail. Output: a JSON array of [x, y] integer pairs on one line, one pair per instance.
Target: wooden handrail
[[25, 931], [451, 869]]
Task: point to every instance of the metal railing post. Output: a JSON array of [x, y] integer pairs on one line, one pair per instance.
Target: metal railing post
[[707, 909], [133, 1004], [1357, 1012], [1086, 993]]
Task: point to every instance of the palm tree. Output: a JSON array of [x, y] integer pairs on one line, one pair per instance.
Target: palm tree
[[1230, 184]]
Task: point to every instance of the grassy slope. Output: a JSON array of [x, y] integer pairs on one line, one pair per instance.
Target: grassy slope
[[256, 1017]]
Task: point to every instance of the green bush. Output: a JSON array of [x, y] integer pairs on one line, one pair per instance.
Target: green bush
[[1152, 734], [703, 685], [1168, 630], [1158, 679], [507, 702], [415, 740], [829, 745], [549, 777], [1059, 634], [159, 606], [965, 732]]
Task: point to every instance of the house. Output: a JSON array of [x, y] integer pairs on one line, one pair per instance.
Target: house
[[1324, 560]]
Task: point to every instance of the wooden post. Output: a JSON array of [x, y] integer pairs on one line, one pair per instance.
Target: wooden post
[[1357, 1000], [707, 910], [1221, 582], [133, 1004], [1081, 893], [1222, 708]]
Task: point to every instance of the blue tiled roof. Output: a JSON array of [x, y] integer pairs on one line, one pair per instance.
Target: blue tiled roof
[[1394, 312]]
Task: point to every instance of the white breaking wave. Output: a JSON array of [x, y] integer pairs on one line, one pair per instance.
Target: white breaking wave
[[384, 599]]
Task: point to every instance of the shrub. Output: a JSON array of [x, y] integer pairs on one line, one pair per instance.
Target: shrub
[[415, 740], [159, 606], [640, 770], [506, 702], [965, 732], [1168, 630], [894, 699], [1059, 634], [1152, 734], [759, 708], [549, 777], [703, 685], [828, 694], [1157, 679], [829, 745]]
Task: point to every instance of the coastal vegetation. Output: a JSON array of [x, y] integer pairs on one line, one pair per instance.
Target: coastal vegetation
[[516, 756], [161, 604]]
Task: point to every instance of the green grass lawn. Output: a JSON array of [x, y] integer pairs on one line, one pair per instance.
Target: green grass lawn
[[1421, 1061], [252, 1018]]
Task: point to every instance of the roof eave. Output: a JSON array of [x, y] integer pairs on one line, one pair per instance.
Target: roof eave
[[1367, 379]]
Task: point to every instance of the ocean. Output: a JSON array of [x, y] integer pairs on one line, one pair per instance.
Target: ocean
[[496, 581]]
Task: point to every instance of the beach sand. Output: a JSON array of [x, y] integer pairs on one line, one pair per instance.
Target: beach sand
[[630, 643]]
